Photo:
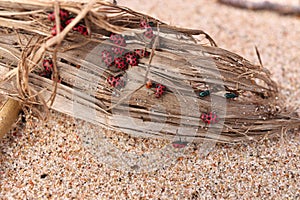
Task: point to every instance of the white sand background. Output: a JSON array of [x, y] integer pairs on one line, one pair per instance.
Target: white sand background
[[49, 161]]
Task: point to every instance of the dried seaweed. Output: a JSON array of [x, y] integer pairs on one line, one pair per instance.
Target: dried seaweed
[[242, 96]]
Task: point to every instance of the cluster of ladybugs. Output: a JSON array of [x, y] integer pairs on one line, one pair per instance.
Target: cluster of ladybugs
[[120, 58], [117, 56], [65, 19]]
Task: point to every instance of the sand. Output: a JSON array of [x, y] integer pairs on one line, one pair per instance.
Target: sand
[[56, 159]]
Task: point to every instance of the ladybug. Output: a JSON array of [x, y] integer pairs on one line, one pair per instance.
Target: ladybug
[[121, 63], [81, 29], [53, 30], [141, 53], [69, 21], [118, 40], [159, 90], [209, 118], [117, 50], [107, 58], [179, 144], [204, 93], [143, 24], [149, 32], [131, 59], [51, 16], [116, 82], [63, 14], [48, 65]]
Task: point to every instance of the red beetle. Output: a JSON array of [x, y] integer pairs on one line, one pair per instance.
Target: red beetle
[[117, 50], [81, 29], [63, 14], [149, 31], [179, 144], [209, 118], [116, 82], [131, 59], [48, 65], [107, 58], [53, 30], [121, 63], [159, 90], [143, 23], [118, 40], [141, 53]]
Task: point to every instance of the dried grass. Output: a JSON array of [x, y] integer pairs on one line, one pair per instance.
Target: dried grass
[[185, 61]]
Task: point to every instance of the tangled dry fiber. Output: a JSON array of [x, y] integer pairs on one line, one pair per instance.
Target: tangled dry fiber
[[210, 93]]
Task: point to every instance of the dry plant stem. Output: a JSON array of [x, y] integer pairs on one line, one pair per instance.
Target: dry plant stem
[[264, 5], [55, 40], [177, 60], [9, 112], [8, 115]]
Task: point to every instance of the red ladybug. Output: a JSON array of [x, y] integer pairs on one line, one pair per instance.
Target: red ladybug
[[81, 29], [179, 144], [48, 65], [51, 16], [69, 21], [141, 53], [116, 82], [143, 23], [117, 50], [159, 90], [131, 59], [209, 118], [107, 58], [149, 32], [121, 63], [63, 14], [53, 30], [118, 40]]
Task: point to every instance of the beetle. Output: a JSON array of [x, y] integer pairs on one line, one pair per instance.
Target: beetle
[[116, 82], [179, 144], [230, 95], [121, 63], [209, 118], [159, 90], [204, 93], [107, 58], [131, 59], [118, 40], [141, 53]]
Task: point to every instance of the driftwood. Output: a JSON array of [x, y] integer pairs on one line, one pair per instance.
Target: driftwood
[[264, 5], [187, 62]]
